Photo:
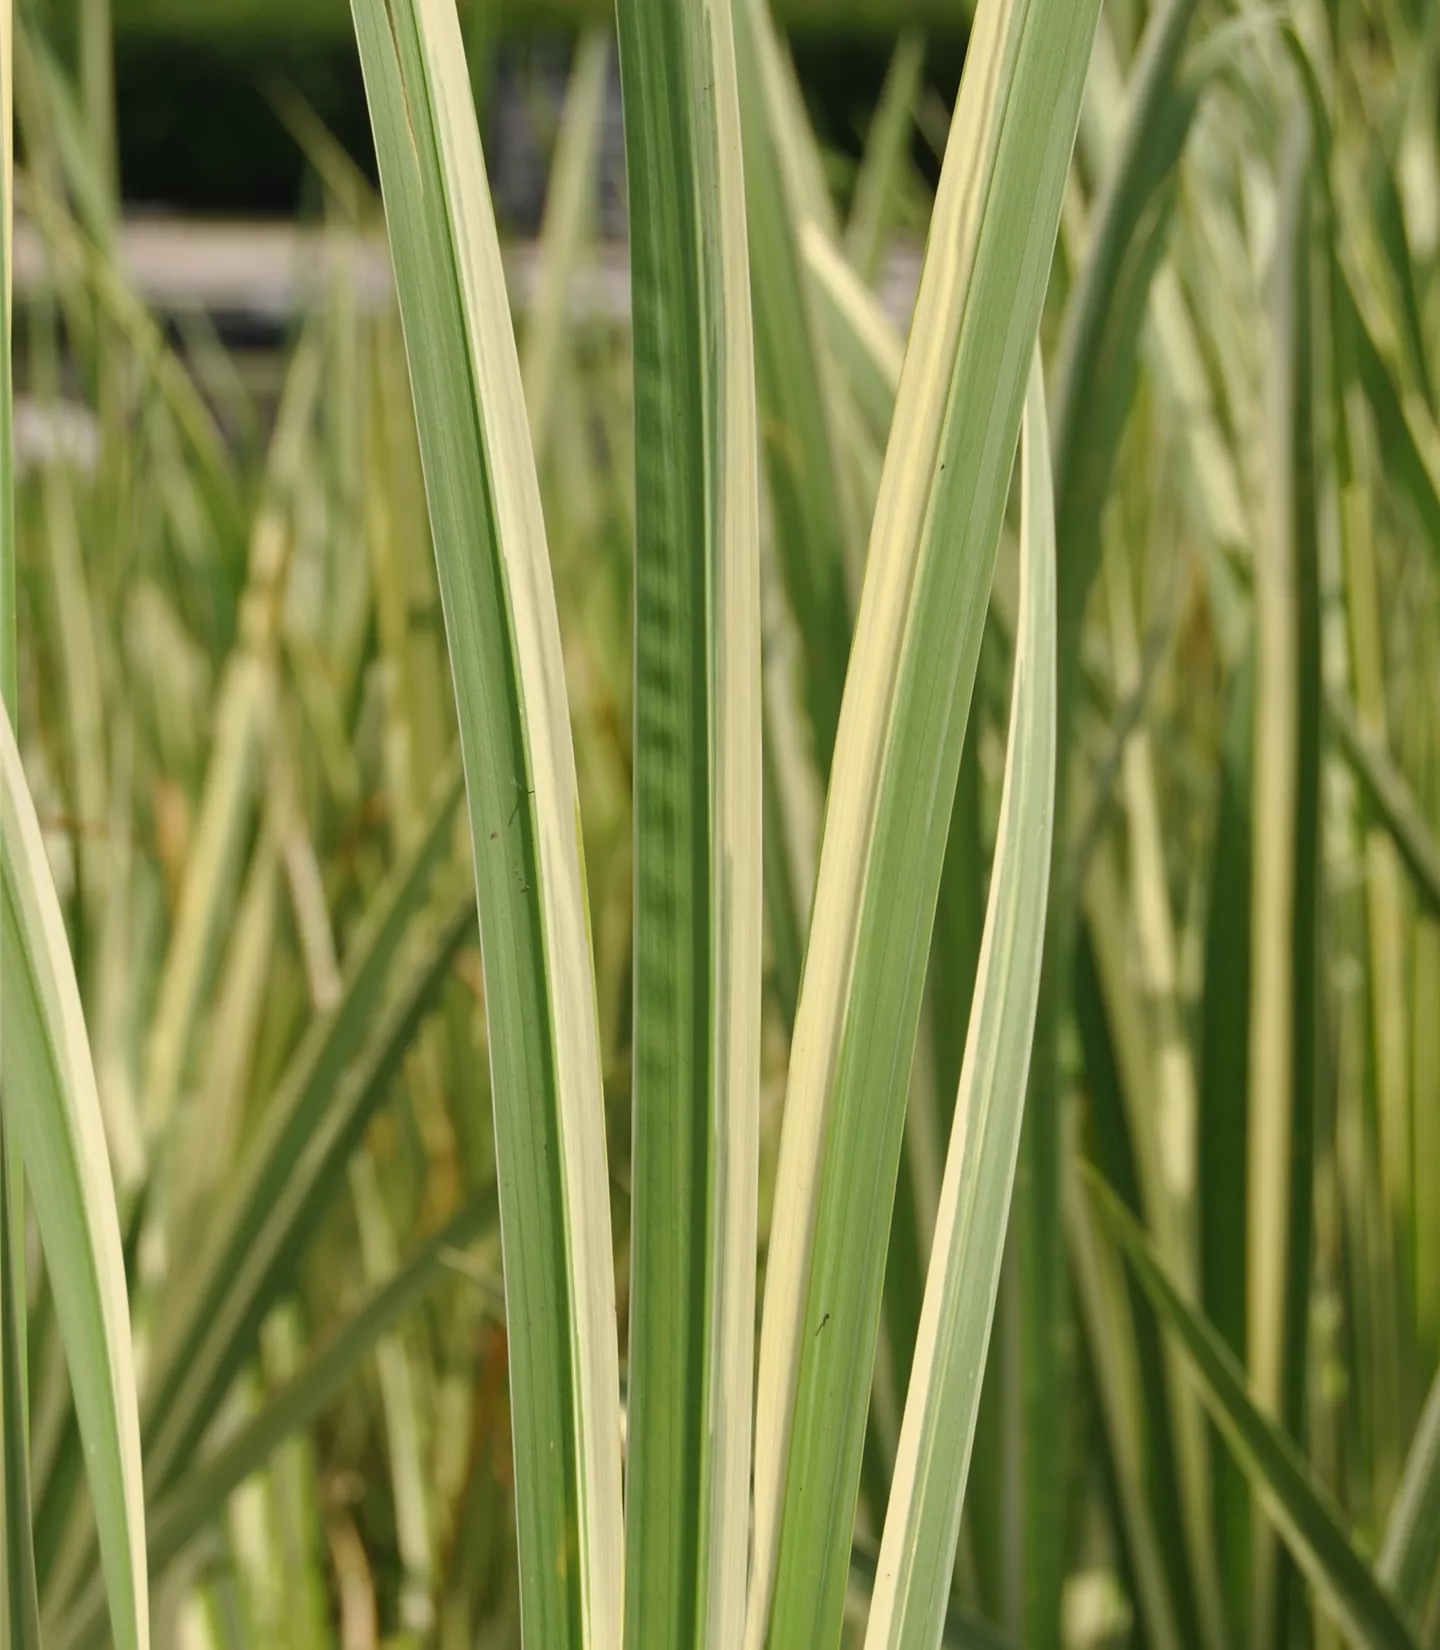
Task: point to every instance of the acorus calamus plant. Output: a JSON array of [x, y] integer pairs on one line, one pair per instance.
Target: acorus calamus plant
[[850, 694]]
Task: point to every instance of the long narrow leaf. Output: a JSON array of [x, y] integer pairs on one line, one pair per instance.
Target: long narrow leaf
[[1093, 381], [1285, 977], [505, 658], [907, 697], [697, 831], [52, 1105], [922, 1525]]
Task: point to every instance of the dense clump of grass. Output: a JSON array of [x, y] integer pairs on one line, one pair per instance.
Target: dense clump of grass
[[557, 874]]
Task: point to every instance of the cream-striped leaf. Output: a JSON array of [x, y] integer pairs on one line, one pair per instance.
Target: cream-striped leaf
[[922, 1523], [932, 548], [504, 639], [54, 1111], [697, 831]]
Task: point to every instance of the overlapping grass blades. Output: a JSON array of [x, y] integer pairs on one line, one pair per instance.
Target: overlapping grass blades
[[278, 1190], [917, 1552], [1095, 380], [176, 1519], [947, 473], [1276, 1470]]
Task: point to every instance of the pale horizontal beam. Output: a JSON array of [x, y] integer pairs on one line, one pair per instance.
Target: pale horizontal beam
[[270, 271]]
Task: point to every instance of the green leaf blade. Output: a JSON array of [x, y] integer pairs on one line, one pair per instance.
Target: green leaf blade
[[946, 478], [53, 1107], [697, 831], [1286, 1002], [503, 631], [917, 1552]]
